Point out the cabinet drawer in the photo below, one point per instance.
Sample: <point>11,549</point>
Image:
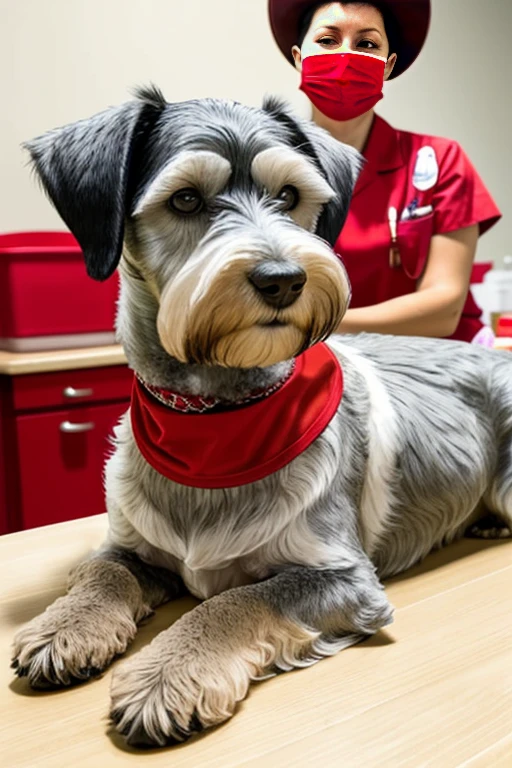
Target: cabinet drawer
<point>65,388</point>
<point>61,459</point>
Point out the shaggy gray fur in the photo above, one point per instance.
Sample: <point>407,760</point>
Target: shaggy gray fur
<point>422,438</point>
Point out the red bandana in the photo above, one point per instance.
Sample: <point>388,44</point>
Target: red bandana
<point>235,447</point>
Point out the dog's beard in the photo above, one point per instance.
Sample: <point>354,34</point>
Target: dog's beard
<point>220,320</point>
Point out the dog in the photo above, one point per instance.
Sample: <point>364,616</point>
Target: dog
<point>270,467</point>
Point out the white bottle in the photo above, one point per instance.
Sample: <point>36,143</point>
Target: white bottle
<point>501,282</point>
<point>494,295</point>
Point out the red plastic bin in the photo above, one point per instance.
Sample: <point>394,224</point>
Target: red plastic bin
<point>47,301</point>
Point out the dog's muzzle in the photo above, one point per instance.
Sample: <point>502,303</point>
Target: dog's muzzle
<point>238,306</point>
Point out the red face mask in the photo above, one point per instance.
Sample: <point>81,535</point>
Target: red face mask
<point>343,85</point>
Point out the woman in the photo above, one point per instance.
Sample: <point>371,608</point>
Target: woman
<point>419,206</point>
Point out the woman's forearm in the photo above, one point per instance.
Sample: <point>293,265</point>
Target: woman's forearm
<point>431,312</point>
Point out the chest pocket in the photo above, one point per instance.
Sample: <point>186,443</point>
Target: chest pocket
<point>414,238</point>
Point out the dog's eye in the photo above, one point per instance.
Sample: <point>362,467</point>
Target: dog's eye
<point>288,197</point>
<point>186,201</point>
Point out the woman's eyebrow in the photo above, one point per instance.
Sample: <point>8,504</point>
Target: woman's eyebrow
<point>334,28</point>
<point>369,29</point>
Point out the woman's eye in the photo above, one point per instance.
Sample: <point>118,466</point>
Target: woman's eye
<point>288,198</point>
<point>368,44</point>
<point>327,41</point>
<point>186,202</point>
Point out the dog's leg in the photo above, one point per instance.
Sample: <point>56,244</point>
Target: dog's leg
<point>192,675</point>
<point>79,634</point>
<point>497,523</point>
<point>490,526</point>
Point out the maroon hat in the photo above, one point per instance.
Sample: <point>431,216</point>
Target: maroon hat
<point>412,19</point>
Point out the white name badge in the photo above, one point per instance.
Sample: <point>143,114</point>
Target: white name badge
<point>426,170</point>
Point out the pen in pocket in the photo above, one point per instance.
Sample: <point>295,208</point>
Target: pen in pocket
<point>417,213</point>
<point>394,253</point>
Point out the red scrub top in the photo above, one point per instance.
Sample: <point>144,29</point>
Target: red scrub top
<point>458,198</point>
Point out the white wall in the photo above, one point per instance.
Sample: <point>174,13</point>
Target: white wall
<point>61,60</point>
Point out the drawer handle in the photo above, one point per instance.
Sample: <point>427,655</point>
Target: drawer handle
<point>72,429</point>
<point>73,393</point>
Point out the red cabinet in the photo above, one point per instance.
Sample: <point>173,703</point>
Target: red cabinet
<point>61,456</point>
<point>54,438</point>
<point>68,388</point>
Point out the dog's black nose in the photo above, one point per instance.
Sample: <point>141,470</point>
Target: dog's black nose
<point>279,285</point>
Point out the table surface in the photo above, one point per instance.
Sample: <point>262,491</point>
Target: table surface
<point>15,363</point>
<point>434,689</point>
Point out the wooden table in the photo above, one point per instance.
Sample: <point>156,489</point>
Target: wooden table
<point>434,689</point>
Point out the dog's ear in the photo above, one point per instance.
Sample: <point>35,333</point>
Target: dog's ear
<point>88,170</point>
<point>339,163</point>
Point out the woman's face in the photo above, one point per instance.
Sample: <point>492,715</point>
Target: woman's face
<point>342,27</point>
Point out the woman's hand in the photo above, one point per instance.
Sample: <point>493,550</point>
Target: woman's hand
<point>436,307</point>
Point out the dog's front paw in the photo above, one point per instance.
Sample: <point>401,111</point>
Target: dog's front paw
<point>72,641</point>
<point>176,687</point>
<point>193,675</point>
<point>490,526</point>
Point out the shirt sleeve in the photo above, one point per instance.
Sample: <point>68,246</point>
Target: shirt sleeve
<point>460,197</point>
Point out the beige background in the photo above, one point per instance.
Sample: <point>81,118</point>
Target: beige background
<point>61,60</point>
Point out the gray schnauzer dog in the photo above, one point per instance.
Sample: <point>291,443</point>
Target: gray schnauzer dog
<point>221,218</point>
